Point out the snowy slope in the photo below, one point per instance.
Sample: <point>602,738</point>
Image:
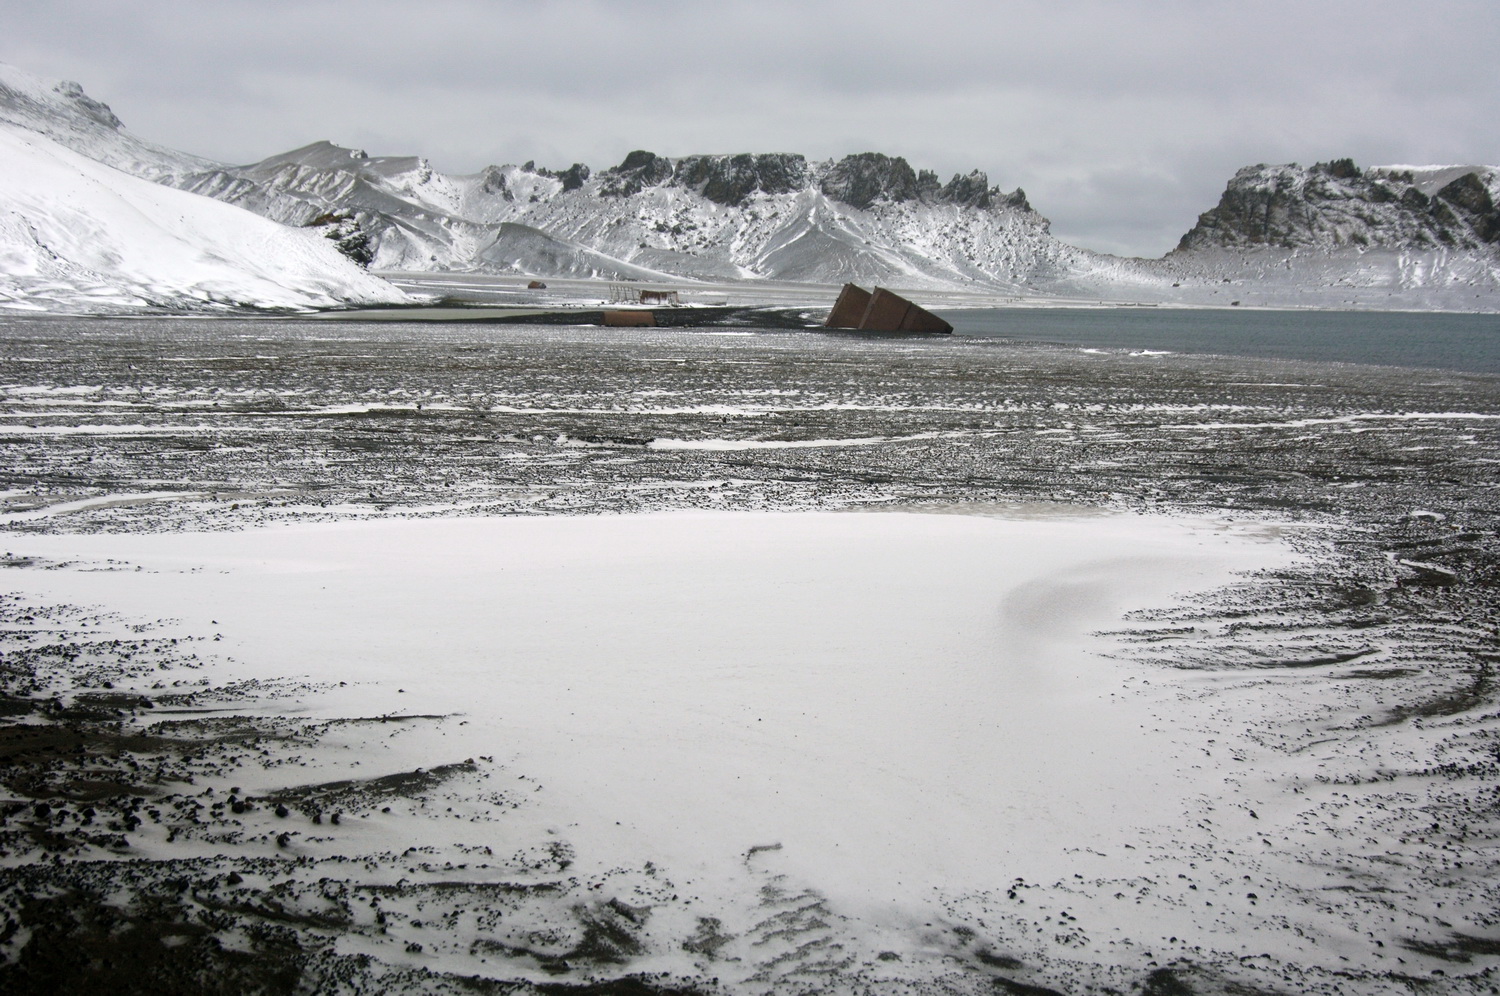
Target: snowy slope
<point>1389,237</point>
<point>60,110</point>
<point>683,217</point>
<point>1330,235</point>
<point>77,236</point>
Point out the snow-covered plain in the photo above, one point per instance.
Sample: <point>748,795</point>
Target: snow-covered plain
<point>903,714</point>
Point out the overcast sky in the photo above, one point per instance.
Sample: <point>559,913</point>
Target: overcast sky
<point>1122,120</point>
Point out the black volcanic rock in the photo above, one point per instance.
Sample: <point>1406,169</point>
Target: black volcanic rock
<point>866,177</point>
<point>493,182</point>
<point>640,169</point>
<point>1469,193</point>
<point>1336,204</point>
<point>1017,199</point>
<point>732,179</point>
<point>347,235</point>
<point>573,177</point>
<point>971,191</point>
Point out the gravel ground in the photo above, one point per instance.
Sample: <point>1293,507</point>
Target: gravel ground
<point>110,736</point>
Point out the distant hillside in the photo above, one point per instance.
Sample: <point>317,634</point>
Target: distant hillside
<point>1337,205</point>
<point>78,235</point>
<point>1331,235</point>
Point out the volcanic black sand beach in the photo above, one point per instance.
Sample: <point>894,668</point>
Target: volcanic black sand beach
<point>157,827</point>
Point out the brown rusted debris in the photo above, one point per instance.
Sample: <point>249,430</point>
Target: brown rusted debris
<point>881,311</point>
<point>628,319</point>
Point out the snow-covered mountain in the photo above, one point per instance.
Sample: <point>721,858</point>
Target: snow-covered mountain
<point>1329,236</point>
<point>869,218</point>
<point>1332,235</point>
<point>866,217</point>
<point>83,230</point>
<point>1337,205</point>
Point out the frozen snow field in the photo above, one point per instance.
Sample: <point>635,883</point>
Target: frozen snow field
<point>901,714</point>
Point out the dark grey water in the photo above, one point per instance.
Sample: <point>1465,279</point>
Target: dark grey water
<point>1469,343</point>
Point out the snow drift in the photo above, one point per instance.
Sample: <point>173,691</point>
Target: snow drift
<point>77,236</point>
<point>83,231</point>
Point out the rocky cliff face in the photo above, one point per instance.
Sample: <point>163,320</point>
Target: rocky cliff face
<point>865,217</point>
<point>730,180</point>
<point>859,180</point>
<point>1336,204</point>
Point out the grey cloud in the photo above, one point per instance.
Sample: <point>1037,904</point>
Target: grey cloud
<point>1106,112</point>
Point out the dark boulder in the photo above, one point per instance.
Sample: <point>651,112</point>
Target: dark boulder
<point>573,177</point>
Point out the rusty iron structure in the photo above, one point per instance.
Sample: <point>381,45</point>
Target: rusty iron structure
<point>630,319</point>
<point>881,311</point>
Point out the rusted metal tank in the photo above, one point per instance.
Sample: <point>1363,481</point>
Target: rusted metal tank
<point>881,311</point>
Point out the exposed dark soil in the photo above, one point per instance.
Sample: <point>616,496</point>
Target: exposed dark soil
<point>110,737</point>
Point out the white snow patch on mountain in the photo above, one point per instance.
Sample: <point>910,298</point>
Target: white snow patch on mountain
<point>60,110</point>
<point>77,236</point>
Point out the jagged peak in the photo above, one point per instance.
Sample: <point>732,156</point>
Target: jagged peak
<point>639,170</point>
<point>322,154</point>
<point>863,178</point>
<point>731,179</point>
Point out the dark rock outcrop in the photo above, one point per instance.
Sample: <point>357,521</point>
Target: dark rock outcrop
<point>347,235</point>
<point>862,179</point>
<point>493,181</point>
<point>928,185</point>
<point>640,169</point>
<point>971,191</point>
<point>573,177</point>
<point>732,179</point>
<point>1337,204</point>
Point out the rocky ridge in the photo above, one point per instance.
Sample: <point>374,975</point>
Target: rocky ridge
<point>1330,235</point>
<point>1337,205</point>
